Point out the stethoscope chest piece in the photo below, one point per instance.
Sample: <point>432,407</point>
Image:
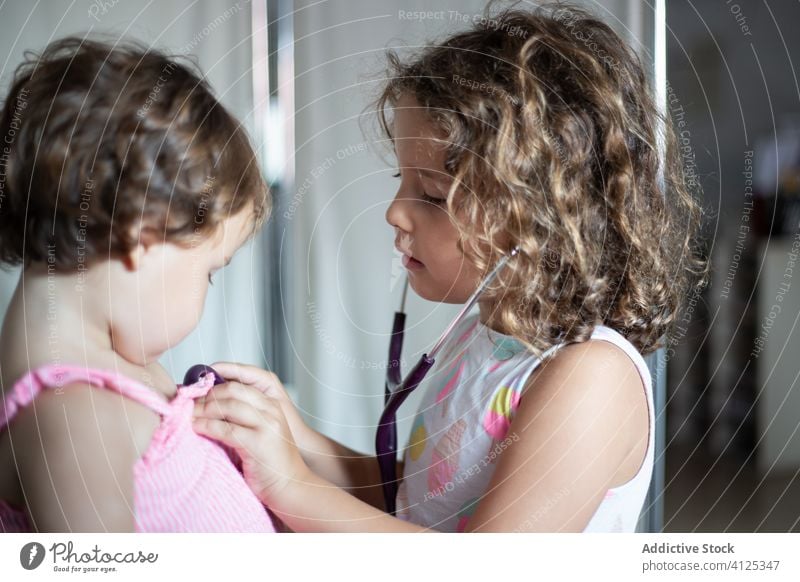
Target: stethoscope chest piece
<point>197,372</point>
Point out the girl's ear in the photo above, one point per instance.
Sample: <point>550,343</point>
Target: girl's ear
<point>146,239</point>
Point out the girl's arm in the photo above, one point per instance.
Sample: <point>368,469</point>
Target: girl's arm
<point>581,428</point>
<point>355,472</point>
<point>75,450</point>
<point>312,504</point>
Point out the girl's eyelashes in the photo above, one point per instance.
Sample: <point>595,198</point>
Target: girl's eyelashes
<point>432,200</point>
<point>426,197</point>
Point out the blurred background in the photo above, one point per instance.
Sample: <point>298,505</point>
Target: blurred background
<point>312,297</point>
<point>733,448</point>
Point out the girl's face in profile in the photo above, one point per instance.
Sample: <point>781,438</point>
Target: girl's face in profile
<point>424,232</point>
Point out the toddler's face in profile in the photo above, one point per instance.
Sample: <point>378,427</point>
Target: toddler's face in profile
<point>158,293</point>
<point>425,233</point>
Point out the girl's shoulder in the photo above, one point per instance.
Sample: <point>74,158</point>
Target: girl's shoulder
<point>607,353</point>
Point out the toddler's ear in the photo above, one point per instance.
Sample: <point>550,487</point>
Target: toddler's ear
<point>145,240</point>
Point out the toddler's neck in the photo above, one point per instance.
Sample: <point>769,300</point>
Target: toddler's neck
<point>62,318</point>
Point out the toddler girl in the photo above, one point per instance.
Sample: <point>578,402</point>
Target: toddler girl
<point>126,185</point>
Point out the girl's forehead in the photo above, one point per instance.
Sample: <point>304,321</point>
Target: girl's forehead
<point>425,153</point>
<point>417,141</point>
<point>412,120</point>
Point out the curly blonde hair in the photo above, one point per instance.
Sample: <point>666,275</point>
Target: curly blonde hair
<point>553,145</point>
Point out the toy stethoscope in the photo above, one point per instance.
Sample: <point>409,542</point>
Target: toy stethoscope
<point>396,389</point>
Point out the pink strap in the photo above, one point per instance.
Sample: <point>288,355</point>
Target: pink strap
<point>57,376</point>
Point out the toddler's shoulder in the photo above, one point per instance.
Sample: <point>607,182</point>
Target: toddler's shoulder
<point>75,451</point>
<point>79,415</point>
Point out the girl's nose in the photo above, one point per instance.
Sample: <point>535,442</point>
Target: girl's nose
<point>397,215</point>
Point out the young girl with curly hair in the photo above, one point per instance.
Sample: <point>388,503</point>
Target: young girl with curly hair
<point>537,131</point>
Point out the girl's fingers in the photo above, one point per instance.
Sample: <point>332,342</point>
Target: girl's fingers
<point>232,410</point>
<point>223,431</point>
<point>252,396</point>
<point>250,375</point>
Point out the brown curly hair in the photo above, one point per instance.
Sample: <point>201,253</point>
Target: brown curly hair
<point>552,143</point>
<point>102,140</point>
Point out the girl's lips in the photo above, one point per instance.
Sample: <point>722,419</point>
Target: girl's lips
<point>411,263</point>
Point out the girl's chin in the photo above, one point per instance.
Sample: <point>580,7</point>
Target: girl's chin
<point>431,292</point>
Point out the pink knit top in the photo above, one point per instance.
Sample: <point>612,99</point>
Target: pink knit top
<point>184,482</point>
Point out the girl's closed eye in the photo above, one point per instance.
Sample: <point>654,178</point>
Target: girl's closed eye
<point>433,200</point>
<point>427,197</point>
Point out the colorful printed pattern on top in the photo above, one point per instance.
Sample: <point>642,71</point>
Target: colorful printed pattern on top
<point>462,428</point>
<point>457,434</point>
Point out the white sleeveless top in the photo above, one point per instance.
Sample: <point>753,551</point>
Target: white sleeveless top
<point>461,428</point>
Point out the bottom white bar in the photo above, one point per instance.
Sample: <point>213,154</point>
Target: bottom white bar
<point>389,557</point>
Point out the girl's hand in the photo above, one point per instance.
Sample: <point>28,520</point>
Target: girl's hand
<point>255,426</point>
<point>270,385</point>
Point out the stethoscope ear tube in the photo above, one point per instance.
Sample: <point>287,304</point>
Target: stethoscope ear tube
<point>472,301</point>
